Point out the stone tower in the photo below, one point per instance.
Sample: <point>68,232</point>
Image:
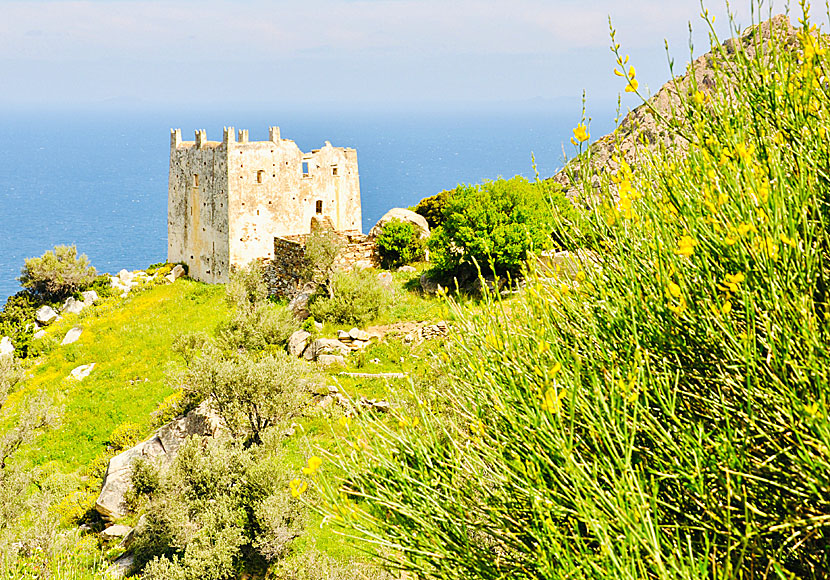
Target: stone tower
<point>228,200</point>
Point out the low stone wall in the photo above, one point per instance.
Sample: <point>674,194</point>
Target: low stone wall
<point>283,274</point>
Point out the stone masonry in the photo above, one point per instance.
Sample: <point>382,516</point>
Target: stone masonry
<point>229,201</point>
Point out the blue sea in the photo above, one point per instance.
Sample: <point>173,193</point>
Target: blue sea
<point>98,179</point>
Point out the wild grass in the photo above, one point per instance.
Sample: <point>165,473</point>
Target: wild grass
<point>663,415</point>
<point>129,341</point>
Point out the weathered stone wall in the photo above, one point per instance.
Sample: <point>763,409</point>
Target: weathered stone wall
<point>228,201</point>
<point>283,272</point>
<point>197,207</point>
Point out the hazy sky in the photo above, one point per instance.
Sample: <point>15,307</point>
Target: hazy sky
<point>346,52</point>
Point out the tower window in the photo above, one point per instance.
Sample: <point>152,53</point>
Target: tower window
<point>195,180</point>
<point>260,175</point>
<point>305,169</point>
<point>334,170</point>
<point>319,207</point>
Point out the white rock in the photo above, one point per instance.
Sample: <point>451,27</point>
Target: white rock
<point>404,215</point>
<point>298,342</point>
<point>385,279</point>
<point>72,306</point>
<point>116,531</point>
<point>177,272</point>
<point>39,334</point>
<point>343,335</point>
<point>46,315</point>
<point>90,297</point>
<point>358,334</point>
<point>325,401</point>
<point>72,336</point>
<point>82,372</point>
<point>125,276</point>
<point>6,347</point>
<point>407,269</point>
<point>362,265</point>
<point>323,346</point>
<point>318,326</point>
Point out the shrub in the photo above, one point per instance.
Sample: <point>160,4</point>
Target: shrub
<point>433,208</point>
<point>206,523</point>
<point>251,393</point>
<point>247,289</point>
<point>497,224</point>
<point>398,244</point>
<point>57,274</point>
<point>358,297</point>
<point>266,325</point>
<point>125,436</point>
<point>16,321</point>
<point>321,250</point>
<point>664,416</point>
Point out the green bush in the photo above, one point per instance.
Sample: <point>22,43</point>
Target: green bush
<point>125,436</point>
<point>433,208</point>
<point>358,298</point>
<point>498,223</point>
<point>399,243</point>
<point>321,250</point>
<point>205,523</point>
<point>264,326</point>
<point>250,392</point>
<point>664,415</point>
<point>58,273</point>
<point>16,321</point>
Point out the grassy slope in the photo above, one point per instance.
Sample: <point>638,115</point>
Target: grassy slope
<point>129,341</point>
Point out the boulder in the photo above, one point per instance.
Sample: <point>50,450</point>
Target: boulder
<point>90,297</point>
<point>126,277</point>
<point>299,305</point>
<point>163,447</point>
<point>298,342</point>
<point>404,215</point>
<point>72,306</point>
<point>176,273</point>
<point>81,372</point>
<point>328,360</point>
<point>407,269</point>
<point>385,279</point>
<point>72,336</point>
<point>323,346</point>
<point>6,347</point>
<point>343,335</point>
<point>116,531</point>
<point>121,566</point>
<point>358,334</point>
<point>39,334</point>
<point>46,315</point>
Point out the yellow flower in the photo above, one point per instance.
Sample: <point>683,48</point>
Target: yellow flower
<point>679,307</point>
<point>297,487</point>
<point>698,98</point>
<point>581,133</point>
<point>632,86</point>
<point>744,228</point>
<point>673,290</point>
<point>731,282</point>
<point>564,288</point>
<point>787,240</point>
<point>685,246</point>
<point>314,464</point>
<point>743,151</point>
<point>769,247</point>
<point>552,401</point>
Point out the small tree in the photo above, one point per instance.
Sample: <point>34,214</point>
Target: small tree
<point>358,297</point>
<point>321,250</point>
<point>399,243</point>
<point>250,393</point>
<point>57,274</point>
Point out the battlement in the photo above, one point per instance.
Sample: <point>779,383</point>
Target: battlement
<point>231,136</point>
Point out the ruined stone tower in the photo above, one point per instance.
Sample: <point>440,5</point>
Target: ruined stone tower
<point>228,200</point>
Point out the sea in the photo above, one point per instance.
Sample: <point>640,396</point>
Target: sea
<point>97,178</point>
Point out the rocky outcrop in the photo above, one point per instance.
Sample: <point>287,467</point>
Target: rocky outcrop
<point>643,129</point>
<point>81,372</point>
<point>404,215</point>
<point>162,446</point>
